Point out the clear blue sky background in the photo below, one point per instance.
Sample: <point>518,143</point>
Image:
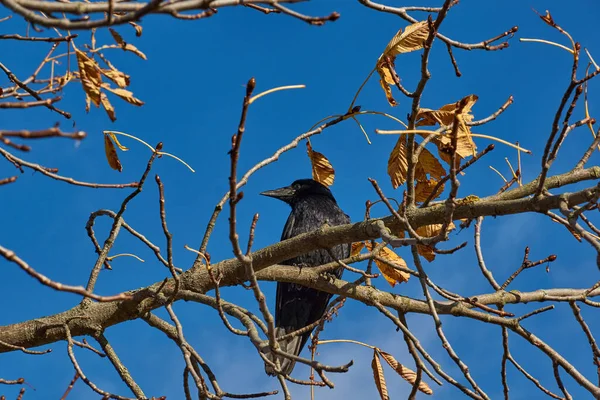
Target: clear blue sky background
<point>193,85</point>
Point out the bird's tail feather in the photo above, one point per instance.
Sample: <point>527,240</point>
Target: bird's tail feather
<point>291,346</point>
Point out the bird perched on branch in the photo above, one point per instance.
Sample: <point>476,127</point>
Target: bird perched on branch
<point>297,306</point>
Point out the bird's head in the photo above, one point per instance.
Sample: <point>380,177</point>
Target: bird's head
<point>300,189</point>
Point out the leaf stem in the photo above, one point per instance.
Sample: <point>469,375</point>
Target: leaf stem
<point>547,42</point>
<point>479,135</point>
<point>160,153</point>
<point>266,92</point>
<point>346,341</point>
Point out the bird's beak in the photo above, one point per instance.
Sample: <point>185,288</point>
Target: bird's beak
<point>284,193</point>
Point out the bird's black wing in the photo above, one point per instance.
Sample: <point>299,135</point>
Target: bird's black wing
<point>298,306</point>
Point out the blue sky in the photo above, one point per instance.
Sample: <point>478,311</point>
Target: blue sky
<point>193,85</point>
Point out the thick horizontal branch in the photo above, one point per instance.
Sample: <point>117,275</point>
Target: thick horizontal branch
<point>80,7</point>
<point>103,315</point>
<point>30,10</point>
<point>556,181</point>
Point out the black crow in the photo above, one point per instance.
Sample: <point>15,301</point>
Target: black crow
<point>297,306</point>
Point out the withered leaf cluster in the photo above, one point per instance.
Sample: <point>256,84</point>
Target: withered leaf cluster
<point>406,373</point>
<point>411,39</point>
<point>91,73</point>
<point>428,169</point>
<point>445,117</point>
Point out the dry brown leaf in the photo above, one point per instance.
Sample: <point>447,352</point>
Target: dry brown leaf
<point>111,154</point>
<point>428,231</point>
<point>126,46</point>
<point>134,50</point>
<point>391,274</point>
<point>424,189</point>
<point>445,153</point>
<point>397,167</point>
<point>117,36</point>
<point>385,71</point>
<point>433,229</point>
<point>116,140</point>
<point>125,95</point>
<point>120,78</point>
<point>411,39</point>
<point>429,117</point>
<point>138,28</point>
<point>426,252</point>
<point>356,248</point>
<point>465,145</point>
<point>428,164</point>
<point>449,108</point>
<point>110,110</point>
<point>387,90</point>
<point>89,74</point>
<point>409,375</point>
<point>322,171</point>
<point>403,42</point>
<point>379,377</point>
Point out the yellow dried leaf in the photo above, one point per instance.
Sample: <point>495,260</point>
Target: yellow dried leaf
<point>443,116</point>
<point>424,189</point>
<point>138,28</point>
<point>387,90</point>
<point>409,375</point>
<point>110,110</point>
<point>111,154</point>
<point>397,167</point>
<point>471,100</point>
<point>428,117</point>
<point>120,78</point>
<point>433,229</point>
<point>116,140</point>
<point>125,95</point>
<point>465,145</point>
<point>428,164</point>
<point>445,153</point>
<point>356,248</point>
<point>126,46</point>
<point>379,377</point>
<point>134,50</point>
<point>390,274</point>
<point>322,171</point>
<point>411,39</point>
<point>403,42</point>
<point>118,38</point>
<point>426,252</point>
<point>385,71</point>
<point>428,231</point>
<point>89,74</point>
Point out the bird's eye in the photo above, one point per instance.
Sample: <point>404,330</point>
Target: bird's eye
<point>296,186</point>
